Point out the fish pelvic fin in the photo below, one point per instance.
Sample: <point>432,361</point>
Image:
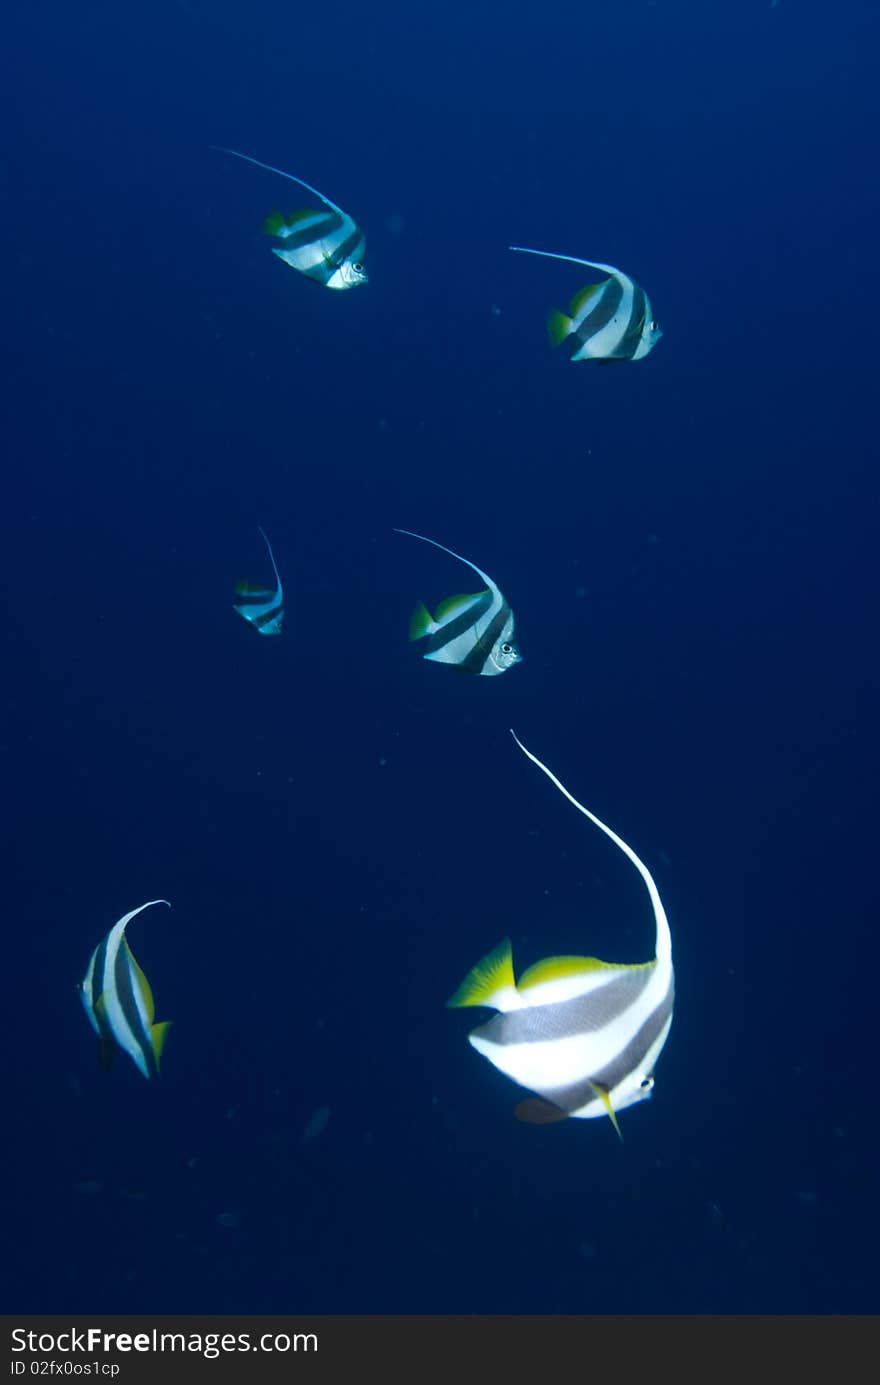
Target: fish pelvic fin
<point>603,1094</point>
<point>491,982</point>
<point>559,326</point>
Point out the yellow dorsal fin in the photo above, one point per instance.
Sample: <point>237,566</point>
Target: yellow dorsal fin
<point>556,968</point>
<point>583,295</point>
<point>603,1095</point>
<point>158,1034</point>
<point>552,968</point>
<point>487,979</point>
<point>451,604</point>
<point>245,588</point>
<point>294,218</point>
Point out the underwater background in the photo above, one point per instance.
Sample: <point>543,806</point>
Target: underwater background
<point>343,829</point>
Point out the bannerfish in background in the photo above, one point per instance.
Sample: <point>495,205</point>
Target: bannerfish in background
<point>583,1034</point>
<point>119,1002</point>
<point>473,633</point>
<point>610,321</point>
<point>324,245</point>
<point>264,609</point>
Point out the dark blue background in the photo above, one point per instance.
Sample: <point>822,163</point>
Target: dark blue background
<point>688,543</point>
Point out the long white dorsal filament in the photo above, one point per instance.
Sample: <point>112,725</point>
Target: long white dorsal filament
<point>663,946</point>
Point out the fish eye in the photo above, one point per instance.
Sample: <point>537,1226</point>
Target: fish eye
<point>507,649</point>
<point>654,324</point>
<point>646,1084</point>
<point>358,268</point>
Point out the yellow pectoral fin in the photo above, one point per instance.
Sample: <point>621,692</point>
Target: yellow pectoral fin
<point>485,981</point>
<point>604,1097</point>
<point>158,1034</point>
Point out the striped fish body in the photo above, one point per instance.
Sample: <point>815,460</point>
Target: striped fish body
<point>261,608</point>
<point>609,321</point>
<point>473,633</point>
<point>118,1000</point>
<point>582,1034</point>
<point>325,245</point>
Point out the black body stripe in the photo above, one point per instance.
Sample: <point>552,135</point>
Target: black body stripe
<point>562,1019</point>
<point>274,613</point>
<point>629,1060</point>
<point>476,661</point>
<point>460,624</point>
<point>629,343</point>
<point>601,314</point>
<point>309,235</point>
<point>126,997</point>
<point>348,247</point>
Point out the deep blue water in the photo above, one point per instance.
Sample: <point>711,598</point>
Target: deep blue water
<point>342,828</point>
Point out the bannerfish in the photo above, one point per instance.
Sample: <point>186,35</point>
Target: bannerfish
<point>264,609</point>
<point>610,321</point>
<point>119,1002</point>
<point>325,245</point>
<point>473,633</point>
<point>584,1035</point>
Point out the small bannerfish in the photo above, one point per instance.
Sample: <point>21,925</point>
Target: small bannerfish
<point>325,245</point>
<point>119,1002</point>
<point>610,321</point>
<point>584,1034</point>
<point>264,609</point>
<point>473,633</point>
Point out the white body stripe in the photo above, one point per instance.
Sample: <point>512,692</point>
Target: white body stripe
<point>543,1064</point>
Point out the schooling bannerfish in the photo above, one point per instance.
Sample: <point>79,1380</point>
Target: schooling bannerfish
<point>473,633</point>
<point>119,1002</point>
<point>610,321</point>
<point>325,245</point>
<point>583,1034</point>
<point>264,609</point>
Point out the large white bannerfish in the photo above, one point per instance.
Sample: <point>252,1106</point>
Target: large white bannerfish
<point>582,1034</point>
